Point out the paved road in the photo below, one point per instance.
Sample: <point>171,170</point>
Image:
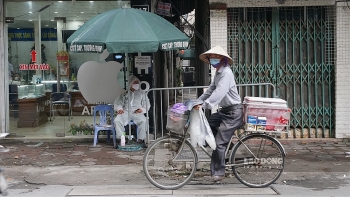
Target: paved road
<point>72,168</point>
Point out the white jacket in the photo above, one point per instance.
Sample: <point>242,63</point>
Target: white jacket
<point>138,99</point>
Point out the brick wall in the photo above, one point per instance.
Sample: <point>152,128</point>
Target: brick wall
<point>218,28</point>
<point>218,32</point>
<point>342,72</point>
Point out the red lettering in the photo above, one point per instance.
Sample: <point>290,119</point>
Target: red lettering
<point>33,67</point>
<point>23,67</point>
<point>44,67</point>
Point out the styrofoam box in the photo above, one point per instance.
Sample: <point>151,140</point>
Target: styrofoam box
<point>265,101</point>
<point>271,108</point>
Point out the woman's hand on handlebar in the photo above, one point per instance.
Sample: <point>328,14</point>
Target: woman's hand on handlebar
<point>197,107</point>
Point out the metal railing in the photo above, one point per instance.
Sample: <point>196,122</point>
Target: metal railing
<point>162,98</point>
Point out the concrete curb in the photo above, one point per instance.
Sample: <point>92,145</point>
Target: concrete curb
<point>89,138</point>
<point>50,139</point>
<point>208,190</point>
<point>311,140</point>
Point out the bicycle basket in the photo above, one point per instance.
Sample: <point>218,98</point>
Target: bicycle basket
<point>176,122</point>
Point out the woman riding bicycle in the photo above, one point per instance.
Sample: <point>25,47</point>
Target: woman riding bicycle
<point>223,92</point>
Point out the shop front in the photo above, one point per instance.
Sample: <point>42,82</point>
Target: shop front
<point>39,65</point>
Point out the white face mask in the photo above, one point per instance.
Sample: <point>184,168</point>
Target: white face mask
<point>135,86</point>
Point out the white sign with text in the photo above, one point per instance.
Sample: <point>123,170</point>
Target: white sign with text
<point>142,62</point>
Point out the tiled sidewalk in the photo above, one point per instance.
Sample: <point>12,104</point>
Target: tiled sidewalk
<point>83,153</point>
<point>67,154</point>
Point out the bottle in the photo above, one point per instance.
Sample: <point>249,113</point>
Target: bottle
<point>122,139</point>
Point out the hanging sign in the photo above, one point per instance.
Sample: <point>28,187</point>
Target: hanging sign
<point>164,8</point>
<point>142,62</point>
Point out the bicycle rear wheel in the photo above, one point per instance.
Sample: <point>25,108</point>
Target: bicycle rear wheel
<point>258,160</point>
<point>164,167</point>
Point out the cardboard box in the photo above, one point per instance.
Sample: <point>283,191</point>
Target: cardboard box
<point>261,125</point>
<point>251,123</point>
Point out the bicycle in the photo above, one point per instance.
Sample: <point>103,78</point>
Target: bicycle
<point>256,159</point>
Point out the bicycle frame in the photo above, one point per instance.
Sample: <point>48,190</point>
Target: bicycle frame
<point>240,138</point>
<point>228,149</point>
<point>184,136</point>
<point>182,144</point>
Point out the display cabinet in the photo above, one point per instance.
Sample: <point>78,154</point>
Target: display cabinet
<point>70,85</point>
<point>30,91</point>
<point>31,104</point>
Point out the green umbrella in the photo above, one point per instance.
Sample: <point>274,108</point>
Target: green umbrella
<point>127,30</point>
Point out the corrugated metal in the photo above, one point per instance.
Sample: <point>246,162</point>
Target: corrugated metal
<point>292,48</point>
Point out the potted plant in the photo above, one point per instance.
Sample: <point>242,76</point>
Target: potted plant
<point>83,128</point>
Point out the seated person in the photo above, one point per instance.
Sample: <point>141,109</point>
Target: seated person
<point>73,87</point>
<point>16,77</point>
<point>63,87</point>
<point>132,103</point>
<point>58,96</point>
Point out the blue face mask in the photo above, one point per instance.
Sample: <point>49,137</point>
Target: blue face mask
<point>215,62</point>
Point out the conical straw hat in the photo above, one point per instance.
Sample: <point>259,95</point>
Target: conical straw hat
<point>216,50</point>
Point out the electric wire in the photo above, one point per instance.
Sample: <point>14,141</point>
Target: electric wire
<point>192,27</point>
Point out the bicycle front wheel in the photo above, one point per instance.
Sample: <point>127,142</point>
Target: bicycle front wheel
<point>258,160</point>
<point>167,165</point>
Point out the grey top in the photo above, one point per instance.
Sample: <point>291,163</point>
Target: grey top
<point>222,91</point>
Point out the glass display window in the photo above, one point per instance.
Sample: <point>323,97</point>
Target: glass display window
<point>37,60</point>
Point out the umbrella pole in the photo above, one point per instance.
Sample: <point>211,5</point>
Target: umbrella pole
<point>124,69</point>
<point>126,63</point>
<point>172,68</point>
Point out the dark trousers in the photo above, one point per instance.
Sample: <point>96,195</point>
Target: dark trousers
<point>223,126</point>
